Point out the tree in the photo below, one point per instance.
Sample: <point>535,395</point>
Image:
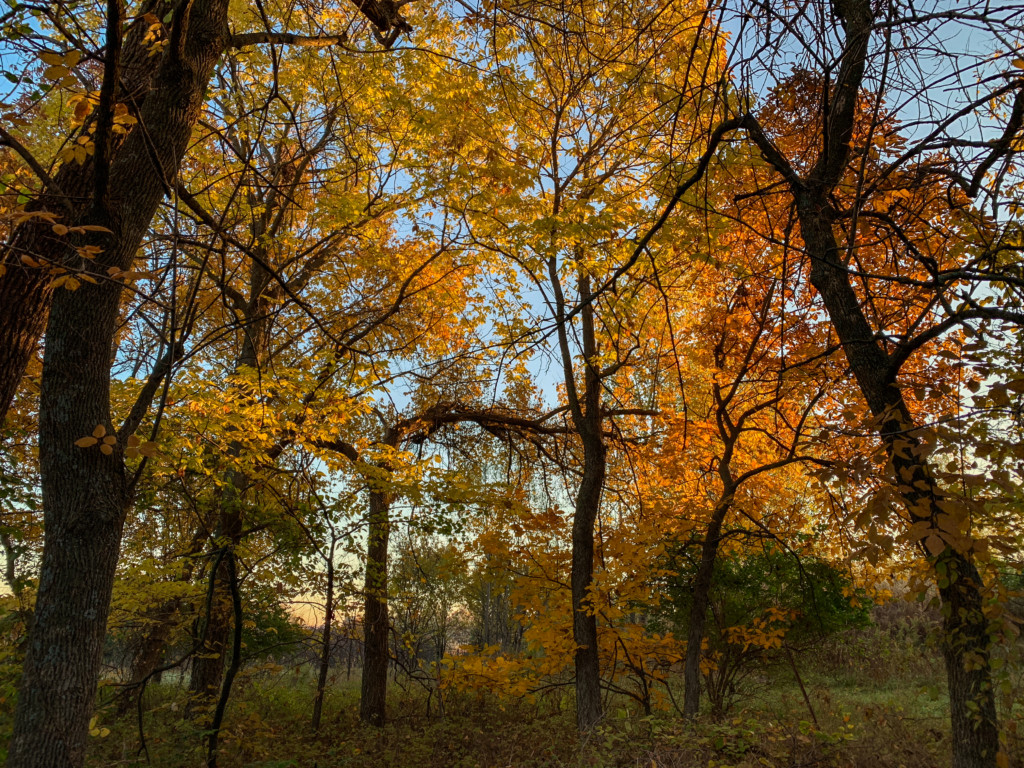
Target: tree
<point>835,155</point>
<point>591,94</point>
<point>105,201</point>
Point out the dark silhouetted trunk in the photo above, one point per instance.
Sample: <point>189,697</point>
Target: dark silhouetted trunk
<point>966,636</point>
<point>373,693</point>
<point>966,642</point>
<point>588,422</point>
<point>325,651</point>
<point>699,608</point>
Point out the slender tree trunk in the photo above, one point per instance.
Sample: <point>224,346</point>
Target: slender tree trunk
<point>217,721</point>
<point>699,608</point>
<point>148,655</point>
<point>208,667</point>
<point>325,654</point>
<point>584,624</point>
<point>208,664</point>
<point>588,421</point>
<point>373,694</point>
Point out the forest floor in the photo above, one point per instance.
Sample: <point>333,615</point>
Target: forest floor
<point>874,708</point>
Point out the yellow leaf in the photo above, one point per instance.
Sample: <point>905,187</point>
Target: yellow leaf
<point>100,431</point>
<point>55,72</point>
<point>934,544</point>
<point>106,450</point>
<point>86,442</point>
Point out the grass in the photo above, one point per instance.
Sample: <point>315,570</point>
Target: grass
<point>898,720</point>
<point>877,695</point>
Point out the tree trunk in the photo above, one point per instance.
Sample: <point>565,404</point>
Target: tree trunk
<point>208,664</point>
<point>168,92</point>
<point>148,655</point>
<point>208,667</point>
<point>584,623</point>
<point>373,694</point>
<point>24,306</point>
<point>699,608</point>
<point>325,654</point>
<point>966,638</point>
<point>85,492</point>
<point>588,422</point>
<point>150,652</point>
<point>85,497</point>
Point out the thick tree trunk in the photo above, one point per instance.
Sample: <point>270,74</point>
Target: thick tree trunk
<point>373,693</point>
<point>25,293</point>
<point>85,493</point>
<point>85,497</point>
<point>699,608</point>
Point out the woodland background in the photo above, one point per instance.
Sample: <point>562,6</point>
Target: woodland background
<point>511,383</point>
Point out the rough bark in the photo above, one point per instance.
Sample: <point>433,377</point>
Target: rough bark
<point>198,35</point>
<point>25,293</point>
<point>966,644</point>
<point>85,492</point>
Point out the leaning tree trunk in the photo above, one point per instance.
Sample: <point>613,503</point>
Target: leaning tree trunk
<point>966,638</point>
<point>135,77</point>
<point>373,692</point>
